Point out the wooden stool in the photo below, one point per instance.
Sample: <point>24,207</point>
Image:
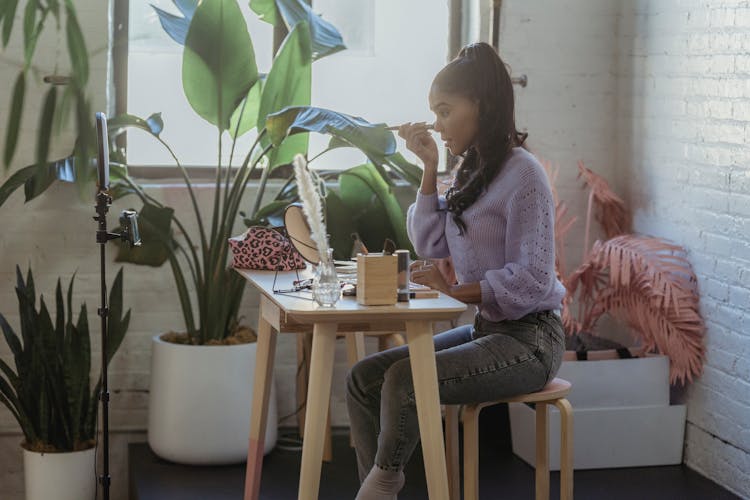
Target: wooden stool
<point>553,393</point>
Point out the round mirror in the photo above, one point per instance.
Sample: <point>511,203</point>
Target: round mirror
<point>299,233</point>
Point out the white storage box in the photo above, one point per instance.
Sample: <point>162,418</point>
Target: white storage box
<point>605,437</point>
<point>617,382</point>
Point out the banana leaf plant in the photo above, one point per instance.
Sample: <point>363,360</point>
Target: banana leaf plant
<point>646,282</point>
<point>49,391</point>
<point>223,85</point>
<point>364,204</point>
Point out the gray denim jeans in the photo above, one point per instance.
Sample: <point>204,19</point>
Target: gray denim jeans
<point>475,364</point>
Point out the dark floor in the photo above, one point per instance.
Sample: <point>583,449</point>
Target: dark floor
<point>502,475</point>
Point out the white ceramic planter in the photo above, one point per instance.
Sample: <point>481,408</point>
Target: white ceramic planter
<point>617,382</point>
<point>62,476</point>
<point>621,416</point>
<point>637,436</point>
<point>199,403</point>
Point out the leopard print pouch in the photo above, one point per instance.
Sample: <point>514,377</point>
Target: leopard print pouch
<point>264,248</point>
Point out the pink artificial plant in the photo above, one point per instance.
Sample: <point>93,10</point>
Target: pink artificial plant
<point>644,281</point>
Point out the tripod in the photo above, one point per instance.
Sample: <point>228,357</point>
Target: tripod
<point>129,224</point>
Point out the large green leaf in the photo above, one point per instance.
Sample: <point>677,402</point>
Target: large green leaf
<point>13,342</point>
<point>247,112</point>
<point>218,65</point>
<point>288,83</point>
<point>79,56</point>
<point>375,209</point>
<point>340,225</point>
<point>372,139</point>
<point>76,375</point>
<point>30,31</point>
<point>326,39</point>
<point>118,323</point>
<point>14,118</point>
<point>8,16</point>
<point>155,226</point>
<point>266,10</point>
<point>45,175</point>
<point>118,124</point>
<point>45,126</point>
<point>407,170</point>
<point>175,26</point>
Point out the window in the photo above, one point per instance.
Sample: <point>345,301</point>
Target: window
<point>394,50</point>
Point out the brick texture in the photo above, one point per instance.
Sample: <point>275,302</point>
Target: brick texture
<point>682,129</point>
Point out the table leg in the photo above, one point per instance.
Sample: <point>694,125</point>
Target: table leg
<point>451,450</point>
<point>318,400</point>
<point>355,351</point>
<point>424,374</point>
<point>264,359</point>
<point>304,346</point>
<point>355,348</point>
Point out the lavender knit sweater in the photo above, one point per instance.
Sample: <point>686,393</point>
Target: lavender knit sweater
<point>508,245</point>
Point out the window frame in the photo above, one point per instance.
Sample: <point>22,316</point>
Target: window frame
<point>118,88</point>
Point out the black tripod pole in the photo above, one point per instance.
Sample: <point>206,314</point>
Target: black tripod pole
<point>102,206</point>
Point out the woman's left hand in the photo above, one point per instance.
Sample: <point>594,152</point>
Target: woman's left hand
<point>428,274</point>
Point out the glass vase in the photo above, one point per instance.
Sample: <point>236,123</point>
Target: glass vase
<point>325,287</point>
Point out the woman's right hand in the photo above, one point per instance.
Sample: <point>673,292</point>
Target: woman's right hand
<point>420,142</point>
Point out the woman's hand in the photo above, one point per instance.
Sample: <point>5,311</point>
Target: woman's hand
<point>428,274</point>
<point>420,142</point>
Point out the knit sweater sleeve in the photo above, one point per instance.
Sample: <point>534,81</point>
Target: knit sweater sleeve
<point>425,224</point>
<point>529,271</point>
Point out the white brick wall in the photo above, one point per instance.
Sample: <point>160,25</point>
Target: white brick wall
<point>682,127</point>
<point>568,50</point>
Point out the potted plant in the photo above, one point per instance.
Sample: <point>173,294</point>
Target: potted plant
<point>623,415</point>
<point>49,391</point>
<point>223,85</point>
<point>216,396</point>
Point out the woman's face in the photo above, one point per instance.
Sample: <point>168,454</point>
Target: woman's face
<point>456,119</point>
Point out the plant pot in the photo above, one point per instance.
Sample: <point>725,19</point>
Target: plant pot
<point>62,476</point>
<point>621,414</point>
<point>605,381</point>
<point>199,403</point>
<point>626,436</point>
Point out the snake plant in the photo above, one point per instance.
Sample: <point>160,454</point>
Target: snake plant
<point>49,392</point>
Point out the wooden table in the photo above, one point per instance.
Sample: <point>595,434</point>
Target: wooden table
<point>296,314</point>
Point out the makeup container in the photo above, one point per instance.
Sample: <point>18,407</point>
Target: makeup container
<point>402,265</point>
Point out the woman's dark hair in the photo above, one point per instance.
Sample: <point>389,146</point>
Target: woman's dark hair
<point>479,74</point>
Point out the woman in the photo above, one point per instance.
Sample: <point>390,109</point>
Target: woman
<point>497,224</point>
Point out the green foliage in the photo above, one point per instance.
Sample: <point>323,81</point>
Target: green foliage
<point>222,84</point>
<point>49,392</point>
<point>35,17</point>
<point>278,108</point>
<point>218,65</point>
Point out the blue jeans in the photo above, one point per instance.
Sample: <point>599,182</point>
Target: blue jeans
<point>475,364</point>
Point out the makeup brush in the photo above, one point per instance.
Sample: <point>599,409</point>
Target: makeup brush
<point>430,126</point>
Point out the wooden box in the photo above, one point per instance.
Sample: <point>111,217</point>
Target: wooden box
<point>377,279</point>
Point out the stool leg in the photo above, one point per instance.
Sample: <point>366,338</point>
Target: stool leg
<point>471,452</point>
<point>542,453</point>
<point>566,449</point>
<point>451,451</point>
<point>397,339</point>
<point>382,342</point>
